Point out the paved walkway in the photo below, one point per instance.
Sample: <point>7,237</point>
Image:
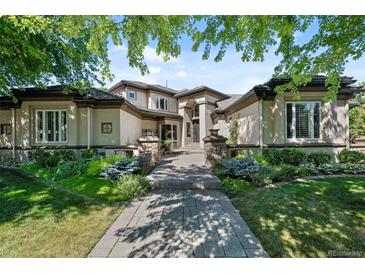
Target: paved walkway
<point>183,171</point>
<point>179,223</point>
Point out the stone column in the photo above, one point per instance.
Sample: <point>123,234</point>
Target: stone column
<point>150,145</point>
<point>202,123</point>
<point>215,148</point>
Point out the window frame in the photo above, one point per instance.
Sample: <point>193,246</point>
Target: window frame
<point>106,123</point>
<point>132,92</point>
<point>158,104</point>
<point>294,138</point>
<point>44,141</point>
<point>4,129</point>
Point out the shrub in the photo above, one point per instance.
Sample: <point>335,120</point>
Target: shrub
<point>289,172</point>
<point>132,186</point>
<point>166,144</point>
<point>121,168</point>
<point>351,168</point>
<point>240,168</point>
<point>329,169</point>
<point>293,156</point>
<point>69,169</point>
<point>272,156</point>
<point>351,156</point>
<point>310,169</point>
<point>64,155</point>
<point>264,176</point>
<point>9,163</point>
<point>50,161</point>
<point>258,157</point>
<point>235,187</point>
<point>38,154</point>
<point>319,157</point>
<point>88,153</point>
<point>95,167</point>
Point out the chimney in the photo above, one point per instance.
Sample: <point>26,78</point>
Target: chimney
<point>167,83</point>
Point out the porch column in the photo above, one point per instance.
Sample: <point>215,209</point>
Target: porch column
<point>182,112</point>
<point>13,129</point>
<point>202,123</point>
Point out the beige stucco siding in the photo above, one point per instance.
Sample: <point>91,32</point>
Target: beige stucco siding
<point>130,128</point>
<point>333,119</point>
<point>171,101</point>
<point>106,116</point>
<point>248,118</point>
<point>5,118</point>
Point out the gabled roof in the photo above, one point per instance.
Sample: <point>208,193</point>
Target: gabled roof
<point>201,89</point>
<point>227,102</point>
<point>144,86</point>
<point>266,90</point>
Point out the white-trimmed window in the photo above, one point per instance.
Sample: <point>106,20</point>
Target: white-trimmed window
<point>303,120</point>
<point>51,126</point>
<point>131,95</point>
<point>161,103</point>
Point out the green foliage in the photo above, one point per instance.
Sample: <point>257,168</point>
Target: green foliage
<point>319,157</point>
<point>289,172</point>
<point>264,176</point>
<point>240,168</point>
<point>233,186</point>
<point>47,159</point>
<point>166,144</point>
<point>357,119</point>
<point>293,156</point>
<point>351,156</point>
<point>88,153</point>
<point>69,169</point>
<point>272,156</point>
<point>96,166</point>
<point>258,157</point>
<point>233,131</point>
<point>131,186</point>
<point>73,50</point>
<point>347,168</point>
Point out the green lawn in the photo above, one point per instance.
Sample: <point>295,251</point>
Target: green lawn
<point>308,219</point>
<point>92,186</point>
<point>40,220</point>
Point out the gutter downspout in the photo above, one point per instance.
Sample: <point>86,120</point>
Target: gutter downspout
<point>13,131</point>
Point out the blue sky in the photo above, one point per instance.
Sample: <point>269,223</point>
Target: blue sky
<point>230,76</point>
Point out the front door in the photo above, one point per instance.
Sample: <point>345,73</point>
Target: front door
<point>196,131</point>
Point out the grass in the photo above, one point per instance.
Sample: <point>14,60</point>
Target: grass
<point>41,220</point>
<point>308,219</point>
<point>231,186</point>
<point>93,186</point>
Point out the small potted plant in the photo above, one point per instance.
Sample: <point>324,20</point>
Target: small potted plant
<point>166,145</point>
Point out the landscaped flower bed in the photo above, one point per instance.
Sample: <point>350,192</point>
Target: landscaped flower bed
<point>275,165</point>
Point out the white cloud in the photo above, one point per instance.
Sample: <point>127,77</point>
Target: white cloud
<point>203,67</point>
<point>118,49</point>
<point>151,56</point>
<point>154,70</point>
<point>181,73</point>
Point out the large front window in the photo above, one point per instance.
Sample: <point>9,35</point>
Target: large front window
<point>169,132</point>
<point>303,120</point>
<point>51,126</point>
<point>161,103</point>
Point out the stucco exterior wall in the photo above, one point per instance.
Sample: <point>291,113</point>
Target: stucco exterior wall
<point>5,118</point>
<point>130,128</point>
<point>171,101</point>
<point>333,119</point>
<point>142,97</point>
<point>248,118</point>
<point>106,116</point>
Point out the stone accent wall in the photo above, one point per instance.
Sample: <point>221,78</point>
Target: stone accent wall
<point>215,148</point>
<point>150,145</point>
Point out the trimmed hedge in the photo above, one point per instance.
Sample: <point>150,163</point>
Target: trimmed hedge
<point>351,156</point>
<point>290,156</point>
<point>319,157</point>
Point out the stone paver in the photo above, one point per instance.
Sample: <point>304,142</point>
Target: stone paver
<point>179,223</point>
<point>183,171</point>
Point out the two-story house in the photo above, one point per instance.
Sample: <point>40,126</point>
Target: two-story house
<point>113,120</point>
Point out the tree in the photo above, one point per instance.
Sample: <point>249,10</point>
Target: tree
<point>73,50</point>
<point>233,131</point>
<point>357,116</point>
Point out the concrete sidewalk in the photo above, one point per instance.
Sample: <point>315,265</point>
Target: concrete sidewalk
<point>179,223</point>
<point>183,171</point>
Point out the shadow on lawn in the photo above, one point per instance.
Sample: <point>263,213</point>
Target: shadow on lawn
<point>23,196</point>
<point>309,219</point>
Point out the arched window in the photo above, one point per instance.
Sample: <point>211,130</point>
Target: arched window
<point>196,111</point>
